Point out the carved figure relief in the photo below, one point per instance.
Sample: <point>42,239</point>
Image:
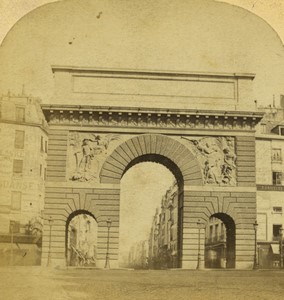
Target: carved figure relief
<point>86,153</point>
<point>217,158</point>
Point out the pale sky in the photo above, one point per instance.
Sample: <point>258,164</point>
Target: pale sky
<point>237,42</point>
<point>270,10</point>
<point>142,188</point>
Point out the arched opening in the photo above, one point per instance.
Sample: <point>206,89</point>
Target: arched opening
<point>81,239</point>
<point>220,242</point>
<point>151,213</point>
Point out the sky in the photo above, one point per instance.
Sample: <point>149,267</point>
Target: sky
<point>142,188</point>
<point>227,40</point>
<point>270,10</point>
<point>144,184</point>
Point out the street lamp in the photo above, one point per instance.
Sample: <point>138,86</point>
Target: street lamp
<point>12,242</point>
<point>107,266</point>
<point>199,224</point>
<point>280,246</point>
<point>255,265</point>
<point>50,221</point>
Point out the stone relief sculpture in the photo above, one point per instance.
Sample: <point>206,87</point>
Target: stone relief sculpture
<point>86,152</point>
<point>217,157</point>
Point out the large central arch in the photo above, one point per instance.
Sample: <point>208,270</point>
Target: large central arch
<point>168,151</point>
<point>159,149</point>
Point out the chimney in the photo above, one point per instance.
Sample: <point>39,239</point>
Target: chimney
<point>282,101</point>
<point>273,101</point>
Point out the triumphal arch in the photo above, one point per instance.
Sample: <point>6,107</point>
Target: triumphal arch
<point>200,126</point>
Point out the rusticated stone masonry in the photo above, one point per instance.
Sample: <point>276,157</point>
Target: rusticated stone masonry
<point>198,201</point>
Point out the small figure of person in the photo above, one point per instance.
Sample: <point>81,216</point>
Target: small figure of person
<point>229,165</point>
<point>87,154</point>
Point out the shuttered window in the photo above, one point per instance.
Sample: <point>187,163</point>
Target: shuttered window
<point>276,178</point>
<point>19,139</point>
<point>14,227</point>
<point>20,114</point>
<point>16,200</point>
<point>17,166</point>
<point>276,155</point>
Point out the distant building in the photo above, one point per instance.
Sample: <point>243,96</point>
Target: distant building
<point>82,242</point>
<point>215,244</point>
<point>270,183</point>
<point>23,153</point>
<point>153,238</point>
<point>138,255</point>
<point>163,239</point>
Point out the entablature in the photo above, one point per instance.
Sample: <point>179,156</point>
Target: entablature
<point>149,118</point>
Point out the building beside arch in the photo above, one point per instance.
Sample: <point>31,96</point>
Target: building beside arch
<point>23,152</point>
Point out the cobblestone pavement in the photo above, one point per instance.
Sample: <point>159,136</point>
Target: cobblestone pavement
<point>29,283</point>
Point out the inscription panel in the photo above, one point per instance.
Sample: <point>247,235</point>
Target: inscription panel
<point>157,87</point>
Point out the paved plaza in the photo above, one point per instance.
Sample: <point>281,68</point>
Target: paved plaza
<point>29,283</point>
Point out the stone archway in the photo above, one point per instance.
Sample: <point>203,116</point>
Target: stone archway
<point>199,200</point>
<point>220,241</point>
<point>163,150</point>
<point>80,254</point>
<point>144,147</point>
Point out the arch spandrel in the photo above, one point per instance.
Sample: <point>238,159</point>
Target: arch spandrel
<point>149,145</point>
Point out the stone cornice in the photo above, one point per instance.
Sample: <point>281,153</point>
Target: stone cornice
<point>151,73</point>
<point>43,127</point>
<point>151,118</point>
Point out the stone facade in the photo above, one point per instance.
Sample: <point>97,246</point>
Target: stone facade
<point>270,203</point>
<point>23,152</point>
<point>210,153</point>
<point>199,201</point>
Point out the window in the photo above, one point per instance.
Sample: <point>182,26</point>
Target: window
<point>14,227</point>
<point>44,174</point>
<point>277,178</point>
<point>276,155</point>
<point>20,114</point>
<point>17,166</point>
<point>277,209</point>
<point>19,139</point>
<point>217,231</point>
<point>16,200</point>
<point>211,232</point>
<point>45,147</point>
<point>40,170</point>
<point>41,144</point>
<point>276,231</point>
<point>222,230</point>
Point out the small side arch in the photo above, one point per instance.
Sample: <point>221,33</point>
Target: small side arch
<point>69,219</point>
<point>221,239</point>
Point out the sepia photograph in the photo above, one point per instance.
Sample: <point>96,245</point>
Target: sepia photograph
<point>141,149</point>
